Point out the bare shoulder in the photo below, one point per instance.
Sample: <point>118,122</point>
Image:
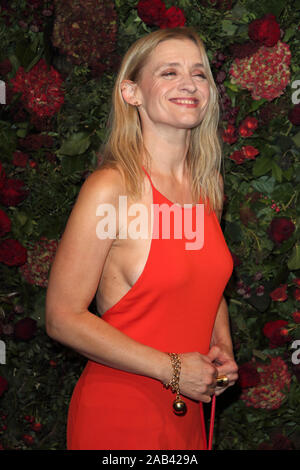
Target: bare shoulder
<point>103,185</point>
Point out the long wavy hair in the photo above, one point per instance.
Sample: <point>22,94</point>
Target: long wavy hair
<point>124,146</point>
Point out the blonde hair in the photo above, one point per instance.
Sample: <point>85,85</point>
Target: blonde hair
<point>124,147</point>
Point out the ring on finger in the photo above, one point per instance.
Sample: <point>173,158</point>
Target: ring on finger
<point>222,381</point>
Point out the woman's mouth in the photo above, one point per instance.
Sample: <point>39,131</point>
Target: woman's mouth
<point>189,102</point>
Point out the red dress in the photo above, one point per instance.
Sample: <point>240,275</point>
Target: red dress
<point>171,307</point>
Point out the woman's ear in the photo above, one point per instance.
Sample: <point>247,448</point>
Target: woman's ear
<point>129,92</point>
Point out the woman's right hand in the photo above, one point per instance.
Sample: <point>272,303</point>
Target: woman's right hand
<point>198,375</point>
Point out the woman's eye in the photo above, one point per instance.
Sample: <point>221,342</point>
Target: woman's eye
<point>168,74</point>
<point>201,75</point>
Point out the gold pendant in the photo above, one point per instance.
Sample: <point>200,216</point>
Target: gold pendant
<point>179,407</point>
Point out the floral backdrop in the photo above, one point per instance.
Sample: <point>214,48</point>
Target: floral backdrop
<point>58,62</point>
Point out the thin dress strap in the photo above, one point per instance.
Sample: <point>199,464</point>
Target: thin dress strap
<point>148,177</point>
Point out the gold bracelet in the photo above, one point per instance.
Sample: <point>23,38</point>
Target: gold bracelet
<point>179,405</point>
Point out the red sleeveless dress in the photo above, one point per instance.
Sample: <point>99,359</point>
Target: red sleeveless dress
<point>171,307</point>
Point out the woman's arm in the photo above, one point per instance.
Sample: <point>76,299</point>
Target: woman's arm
<point>221,338</point>
<point>74,279</point>
<point>221,335</point>
<point>73,282</point>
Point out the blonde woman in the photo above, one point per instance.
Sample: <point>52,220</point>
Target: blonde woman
<point>144,238</point>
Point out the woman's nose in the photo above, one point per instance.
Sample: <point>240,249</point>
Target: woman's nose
<point>188,84</point>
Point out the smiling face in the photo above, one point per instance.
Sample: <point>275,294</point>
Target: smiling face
<point>172,88</point>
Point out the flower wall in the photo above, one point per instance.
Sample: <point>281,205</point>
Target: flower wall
<point>58,61</point>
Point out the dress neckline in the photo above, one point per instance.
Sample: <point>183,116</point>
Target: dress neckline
<point>184,206</point>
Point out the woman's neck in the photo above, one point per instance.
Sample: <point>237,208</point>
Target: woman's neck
<point>168,152</point>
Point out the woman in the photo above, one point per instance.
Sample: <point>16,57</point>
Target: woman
<point>154,295</point>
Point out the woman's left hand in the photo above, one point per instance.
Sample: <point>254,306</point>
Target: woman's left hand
<point>226,366</point>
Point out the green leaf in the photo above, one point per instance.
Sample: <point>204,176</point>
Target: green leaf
<point>283,192</point>
<point>276,172</point>
<point>296,139</point>
<point>283,143</point>
<point>256,104</point>
<point>289,33</point>
<point>76,144</point>
<point>262,165</point>
<point>260,303</point>
<point>21,217</point>
<point>231,86</point>
<point>229,28</point>
<point>14,62</point>
<point>288,174</point>
<point>260,354</point>
<point>264,184</point>
<point>233,230</point>
<point>72,165</point>
<point>21,133</point>
<point>294,260</point>
<point>267,6</point>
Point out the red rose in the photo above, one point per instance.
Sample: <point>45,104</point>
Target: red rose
<point>281,229</point>
<point>3,385</point>
<point>36,141</point>
<point>296,317</point>
<point>250,152</point>
<point>5,223</point>
<point>250,122</point>
<point>229,134</point>
<point>279,294</point>
<point>12,253</point>
<point>28,439</point>
<point>29,418</point>
<point>273,331</point>
<point>238,157</point>
<point>36,427</point>
<point>25,329</point>
<point>265,30</point>
<point>297,294</point>
<point>12,192</point>
<point>2,175</point>
<point>297,281</point>
<point>247,126</point>
<point>20,159</point>
<point>151,11</point>
<point>248,375</point>
<point>173,18</point>
<point>294,115</point>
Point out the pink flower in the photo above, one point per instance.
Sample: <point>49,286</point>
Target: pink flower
<point>265,73</point>
<point>40,88</point>
<point>269,393</point>
<point>39,260</point>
